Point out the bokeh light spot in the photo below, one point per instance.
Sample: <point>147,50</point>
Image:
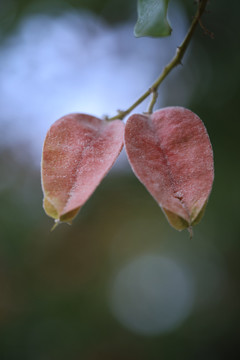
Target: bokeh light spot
<point>152,295</point>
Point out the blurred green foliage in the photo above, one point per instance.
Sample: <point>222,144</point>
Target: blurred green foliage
<point>112,11</point>
<point>54,286</point>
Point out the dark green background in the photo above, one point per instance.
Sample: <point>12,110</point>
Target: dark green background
<point>53,286</point>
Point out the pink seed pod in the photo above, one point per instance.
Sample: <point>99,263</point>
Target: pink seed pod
<point>78,152</point>
<point>171,154</point>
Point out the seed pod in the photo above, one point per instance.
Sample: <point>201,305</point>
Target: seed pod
<point>171,154</point>
<point>78,151</point>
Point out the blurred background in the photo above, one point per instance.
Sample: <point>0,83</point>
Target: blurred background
<point>119,283</point>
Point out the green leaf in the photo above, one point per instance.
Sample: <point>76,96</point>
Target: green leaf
<point>152,19</point>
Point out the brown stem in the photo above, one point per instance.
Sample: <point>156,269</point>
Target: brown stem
<point>169,67</point>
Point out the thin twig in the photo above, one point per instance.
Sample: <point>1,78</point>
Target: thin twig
<point>168,68</point>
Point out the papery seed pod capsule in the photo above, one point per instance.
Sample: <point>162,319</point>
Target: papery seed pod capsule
<point>171,154</point>
<point>78,151</point>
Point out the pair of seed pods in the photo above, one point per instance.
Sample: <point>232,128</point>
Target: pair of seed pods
<point>168,150</point>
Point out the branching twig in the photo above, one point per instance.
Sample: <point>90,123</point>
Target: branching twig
<point>168,68</point>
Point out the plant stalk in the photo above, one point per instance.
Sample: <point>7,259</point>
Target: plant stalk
<point>168,68</point>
